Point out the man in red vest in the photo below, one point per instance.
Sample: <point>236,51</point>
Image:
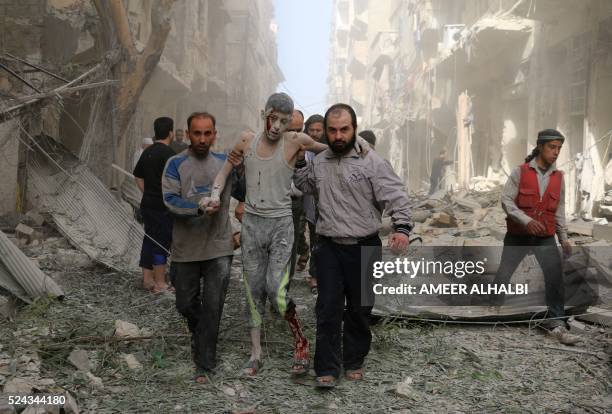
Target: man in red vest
<point>534,200</point>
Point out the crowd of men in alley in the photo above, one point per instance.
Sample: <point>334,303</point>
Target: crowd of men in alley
<point>331,180</point>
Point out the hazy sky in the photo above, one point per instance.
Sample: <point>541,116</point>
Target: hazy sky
<point>303,51</point>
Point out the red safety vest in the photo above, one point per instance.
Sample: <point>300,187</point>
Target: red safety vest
<point>528,199</point>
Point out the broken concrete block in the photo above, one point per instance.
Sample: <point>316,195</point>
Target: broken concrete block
<point>80,360</point>
<point>96,382</point>
<point>580,227</point>
<point>419,216</point>
<point>602,232</point>
<point>19,386</point>
<point>70,407</point>
<point>406,390</point>
<point>24,232</point>
<point>125,329</point>
<point>72,259</point>
<point>229,391</point>
<point>35,218</point>
<point>132,362</point>
<point>443,219</point>
<point>5,408</point>
<point>8,308</point>
<point>40,409</point>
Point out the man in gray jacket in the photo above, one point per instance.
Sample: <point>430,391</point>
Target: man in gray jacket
<point>352,190</point>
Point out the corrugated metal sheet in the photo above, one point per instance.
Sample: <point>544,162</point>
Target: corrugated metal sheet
<point>83,209</point>
<point>21,276</point>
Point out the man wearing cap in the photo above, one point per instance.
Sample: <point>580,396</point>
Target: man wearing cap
<point>534,200</point>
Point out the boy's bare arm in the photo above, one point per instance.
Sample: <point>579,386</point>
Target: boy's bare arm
<point>211,205</point>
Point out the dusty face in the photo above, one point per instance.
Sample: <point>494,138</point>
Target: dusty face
<point>202,135</point>
<point>549,151</point>
<point>340,132</point>
<point>179,135</point>
<point>276,124</point>
<point>315,130</point>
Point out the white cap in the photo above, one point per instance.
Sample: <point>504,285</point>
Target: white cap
<point>147,141</point>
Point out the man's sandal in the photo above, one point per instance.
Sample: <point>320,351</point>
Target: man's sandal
<point>354,374</point>
<point>326,381</point>
<point>254,365</point>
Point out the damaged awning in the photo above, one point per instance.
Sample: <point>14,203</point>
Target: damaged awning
<point>20,276</point>
<point>83,209</point>
<point>486,48</point>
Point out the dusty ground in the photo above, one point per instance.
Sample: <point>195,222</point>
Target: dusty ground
<point>444,368</point>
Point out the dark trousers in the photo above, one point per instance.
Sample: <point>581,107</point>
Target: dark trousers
<point>547,254</point>
<point>200,295</point>
<point>344,272</point>
<point>312,235</point>
<point>300,246</point>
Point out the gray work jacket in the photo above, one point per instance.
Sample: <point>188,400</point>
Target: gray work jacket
<point>352,192</point>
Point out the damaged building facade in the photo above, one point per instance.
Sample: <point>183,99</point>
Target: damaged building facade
<point>480,78</point>
<point>219,56</point>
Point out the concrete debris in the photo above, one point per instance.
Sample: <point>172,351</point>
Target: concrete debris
<point>406,390</point>
<point>580,227</point>
<point>96,382</point>
<point>420,216</point>
<point>229,391</point>
<point>71,406</point>
<point>35,218</point>
<point>25,232</point>
<point>467,203</point>
<point>80,359</point>
<point>5,408</point>
<point>443,219</point>
<point>8,308</point>
<point>602,232</point>
<point>132,362</point>
<point>483,184</point>
<point>39,409</point>
<point>126,330</point>
<point>66,259</point>
<point>18,386</point>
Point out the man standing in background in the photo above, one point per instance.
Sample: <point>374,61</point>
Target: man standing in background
<point>179,144</point>
<point>314,128</point>
<point>437,167</point>
<point>156,218</point>
<point>299,250</point>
